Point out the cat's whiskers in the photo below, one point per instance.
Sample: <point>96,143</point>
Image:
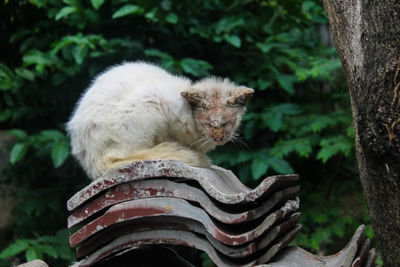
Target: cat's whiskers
<point>204,143</point>
<point>197,142</point>
<point>237,139</point>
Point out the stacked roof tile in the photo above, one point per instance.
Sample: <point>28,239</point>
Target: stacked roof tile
<point>133,209</point>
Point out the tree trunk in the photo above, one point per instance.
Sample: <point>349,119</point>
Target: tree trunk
<point>367,38</point>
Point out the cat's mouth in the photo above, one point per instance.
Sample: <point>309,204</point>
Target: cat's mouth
<point>218,136</point>
<point>219,142</point>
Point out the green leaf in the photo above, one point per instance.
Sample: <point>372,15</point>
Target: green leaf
<point>51,135</point>
<point>50,250</point>
<point>321,68</point>
<point>28,43</point>
<point>220,158</point>
<point>39,58</point>
<point>38,3</point>
<point>263,84</point>
<point>321,123</point>
<point>151,15</point>
<point>302,146</point>
<point>233,40</point>
<point>333,146</point>
<point>228,24</point>
<point>350,131</point>
<point>258,167</point>
<point>79,53</point>
<point>20,134</point>
<point>15,248</point>
<point>17,152</point>
<point>157,53</point>
<point>264,47</point>
<point>243,156</point>
<point>20,35</point>
<point>26,74</point>
<point>286,82</point>
<point>6,85</point>
<point>326,153</point>
<point>287,109</point>
<point>273,121</point>
<point>34,206</point>
<point>274,117</point>
<point>7,78</point>
<point>65,11</point>
<point>226,157</point>
<point>338,229</point>
<point>65,252</point>
<point>195,67</point>
<point>369,232</point>
<point>279,165</point>
<point>172,18</point>
<point>97,3</point>
<point>59,153</point>
<point>5,71</point>
<point>166,5</point>
<point>5,115</point>
<point>127,10</point>
<point>31,254</point>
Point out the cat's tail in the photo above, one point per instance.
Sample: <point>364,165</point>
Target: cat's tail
<point>165,150</point>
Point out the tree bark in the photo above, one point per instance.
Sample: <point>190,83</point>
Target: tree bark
<point>367,38</point>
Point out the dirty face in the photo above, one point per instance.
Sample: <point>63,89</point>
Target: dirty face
<point>218,113</point>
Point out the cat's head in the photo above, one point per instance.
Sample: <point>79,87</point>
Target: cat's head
<point>218,106</point>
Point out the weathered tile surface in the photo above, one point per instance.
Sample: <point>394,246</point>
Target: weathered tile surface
<point>179,208</point>
<point>352,255</point>
<point>165,188</point>
<point>220,184</point>
<point>146,203</point>
<point>188,225</point>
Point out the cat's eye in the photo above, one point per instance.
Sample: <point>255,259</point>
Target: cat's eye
<point>197,105</point>
<point>234,105</point>
<point>236,102</point>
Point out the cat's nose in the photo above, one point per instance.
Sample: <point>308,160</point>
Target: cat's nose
<point>218,134</point>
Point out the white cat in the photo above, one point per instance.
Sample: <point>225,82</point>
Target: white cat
<point>138,111</point>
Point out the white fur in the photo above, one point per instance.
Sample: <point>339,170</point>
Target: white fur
<point>135,111</point>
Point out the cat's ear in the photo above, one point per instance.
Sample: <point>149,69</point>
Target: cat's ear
<point>240,96</point>
<point>195,97</point>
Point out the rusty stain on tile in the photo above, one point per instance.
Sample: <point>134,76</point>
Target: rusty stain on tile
<point>166,188</point>
<point>134,209</point>
<point>188,225</point>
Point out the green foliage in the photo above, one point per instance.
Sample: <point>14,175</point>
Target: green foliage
<point>298,121</point>
<point>45,142</point>
<point>127,10</point>
<point>56,247</point>
<point>332,214</point>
